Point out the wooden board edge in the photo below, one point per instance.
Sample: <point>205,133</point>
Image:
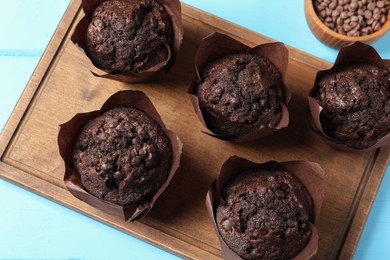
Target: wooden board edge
<point>137,229</point>
<point>38,75</point>
<point>254,37</point>
<point>367,199</point>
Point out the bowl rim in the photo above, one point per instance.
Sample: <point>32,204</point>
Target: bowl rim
<point>310,9</point>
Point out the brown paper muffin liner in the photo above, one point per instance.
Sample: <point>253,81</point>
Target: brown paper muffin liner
<point>69,131</point>
<point>173,9</point>
<point>356,53</point>
<point>217,45</point>
<point>310,174</point>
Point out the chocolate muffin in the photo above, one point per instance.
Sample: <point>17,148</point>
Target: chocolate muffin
<point>356,104</point>
<point>240,93</point>
<point>122,156</point>
<point>128,35</point>
<point>265,215</point>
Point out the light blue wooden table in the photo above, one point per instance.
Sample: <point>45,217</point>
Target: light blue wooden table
<point>32,227</point>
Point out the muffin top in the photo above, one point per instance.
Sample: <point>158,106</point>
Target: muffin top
<point>128,35</point>
<point>239,94</point>
<point>265,215</point>
<point>122,156</point>
<point>356,104</point>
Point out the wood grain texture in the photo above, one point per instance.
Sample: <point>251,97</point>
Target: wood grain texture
<point>62,86</point>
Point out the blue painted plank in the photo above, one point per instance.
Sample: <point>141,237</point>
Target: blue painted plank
<point>27,25</point>
<point>33,227</point>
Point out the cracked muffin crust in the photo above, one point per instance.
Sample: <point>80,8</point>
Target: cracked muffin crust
<point>356,104</point>
<point>128,35</point>
<point>123,156</point>
<point>240,93</point>
<point>265,215</point>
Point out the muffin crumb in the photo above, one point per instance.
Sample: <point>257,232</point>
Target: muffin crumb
<point>356,104</point>
<point>128,35</point>
<point>265,215</point>
<point>123,156</point>
<point>239,94</point>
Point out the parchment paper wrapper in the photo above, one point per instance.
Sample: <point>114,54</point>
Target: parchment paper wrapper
<point>356,53</point>
<point>217,45</point>
<point>309,173</point>
<point>173,9</point>
<point>69,131</point>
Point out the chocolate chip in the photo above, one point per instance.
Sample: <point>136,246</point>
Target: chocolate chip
<point>377,11</point>
<point>371,6</point>
<point>328,19</point>
<point>217,91</point>
<point>234,102</point>
<point>98,23</point>
<point>353,6</point>
<point>102,136</point>
<point>264,231</point>
<point>383,19</point>
<point>142,153</point>
<point>152,157</point>
<point>152,148</point>
<point>135,162</point>
<point>377,16</point>
<point>352,17</point>
<point>335,13</point>
<point>106,167</point>
<point>263,102</point>
<point>226,224</point>
<point>112,123</point>
<point>136,140</point>
<point>117,175</point>
<point>119,128</point>
<point>377,27</point>
<point>271,178</point>
<point>347,27</point>
<point>133,152</point>
<point>141,131</point>
<point>291,223</point>
<point>344,15</point>
<point>367,14</point>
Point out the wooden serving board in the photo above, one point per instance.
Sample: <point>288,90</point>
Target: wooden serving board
<point>62,86</point>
